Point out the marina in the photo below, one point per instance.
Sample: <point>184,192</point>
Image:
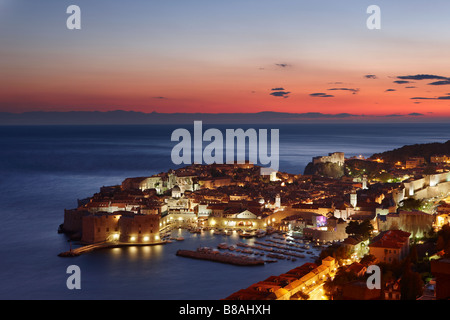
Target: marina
<point>209,254</point>
<point>247,251</point>
<point>274,247</point>
<point>243,258</point>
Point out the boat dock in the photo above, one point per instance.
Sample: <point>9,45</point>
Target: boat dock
<point>213,255</point>
<point>104,245</point>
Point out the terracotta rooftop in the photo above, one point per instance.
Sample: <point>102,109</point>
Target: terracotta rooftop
<point>394,239</point>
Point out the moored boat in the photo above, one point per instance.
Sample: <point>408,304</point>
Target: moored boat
<point>246,234</point>
<point>223,245</point>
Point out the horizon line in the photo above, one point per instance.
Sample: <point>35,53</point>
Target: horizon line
<point>342,114</point>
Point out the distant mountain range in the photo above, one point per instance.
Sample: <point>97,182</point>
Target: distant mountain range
<point>118,117</point>
<point>132,117</point>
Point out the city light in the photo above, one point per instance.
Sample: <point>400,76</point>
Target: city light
<point>339,214</point>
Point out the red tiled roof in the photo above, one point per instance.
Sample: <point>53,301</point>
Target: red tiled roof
<point>394,239</point>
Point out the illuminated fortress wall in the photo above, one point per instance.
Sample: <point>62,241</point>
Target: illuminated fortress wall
<point>428,186</point>
<point>336,157</point>
<point>122,226</point>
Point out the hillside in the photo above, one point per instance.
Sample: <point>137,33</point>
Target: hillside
<point>328,169</point>
<point>426,150</point>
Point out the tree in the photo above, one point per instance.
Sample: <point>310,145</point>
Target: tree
<point>361,230</point>
<point>337,251</point>
<point>431,234</point>
<point>385,177</point>
<point>366,229</point>
<point>352,227</point>
<point>334,287</point>
<point>411,204</point>
<point>411,285</point>
<point>443,241</point>
<point>413,255</point>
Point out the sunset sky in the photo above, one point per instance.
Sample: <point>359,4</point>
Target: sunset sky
<point>226,56</point>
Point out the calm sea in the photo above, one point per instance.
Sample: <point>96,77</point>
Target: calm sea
<point>44,170</point>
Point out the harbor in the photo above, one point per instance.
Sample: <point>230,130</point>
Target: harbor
<point>236,247</point>
<point>244,250</point>
<point>139,272</point>
<point>209,254</point>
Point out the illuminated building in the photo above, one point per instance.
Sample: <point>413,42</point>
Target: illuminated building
<point>289,285</point>
<point>336,157</point>
<point>390,245</point>
<point>331,229</point>
<point>120,226</point>
<point>100,227</point>
<point>417,223</point>
<point>140,228</point>
<point>414,162</point>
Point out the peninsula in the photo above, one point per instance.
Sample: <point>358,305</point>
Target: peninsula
<point>375,210</point>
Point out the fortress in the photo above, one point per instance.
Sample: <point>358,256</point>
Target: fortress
<point>336,157</point>
<point>161,183</point>
<point>429,186</point>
